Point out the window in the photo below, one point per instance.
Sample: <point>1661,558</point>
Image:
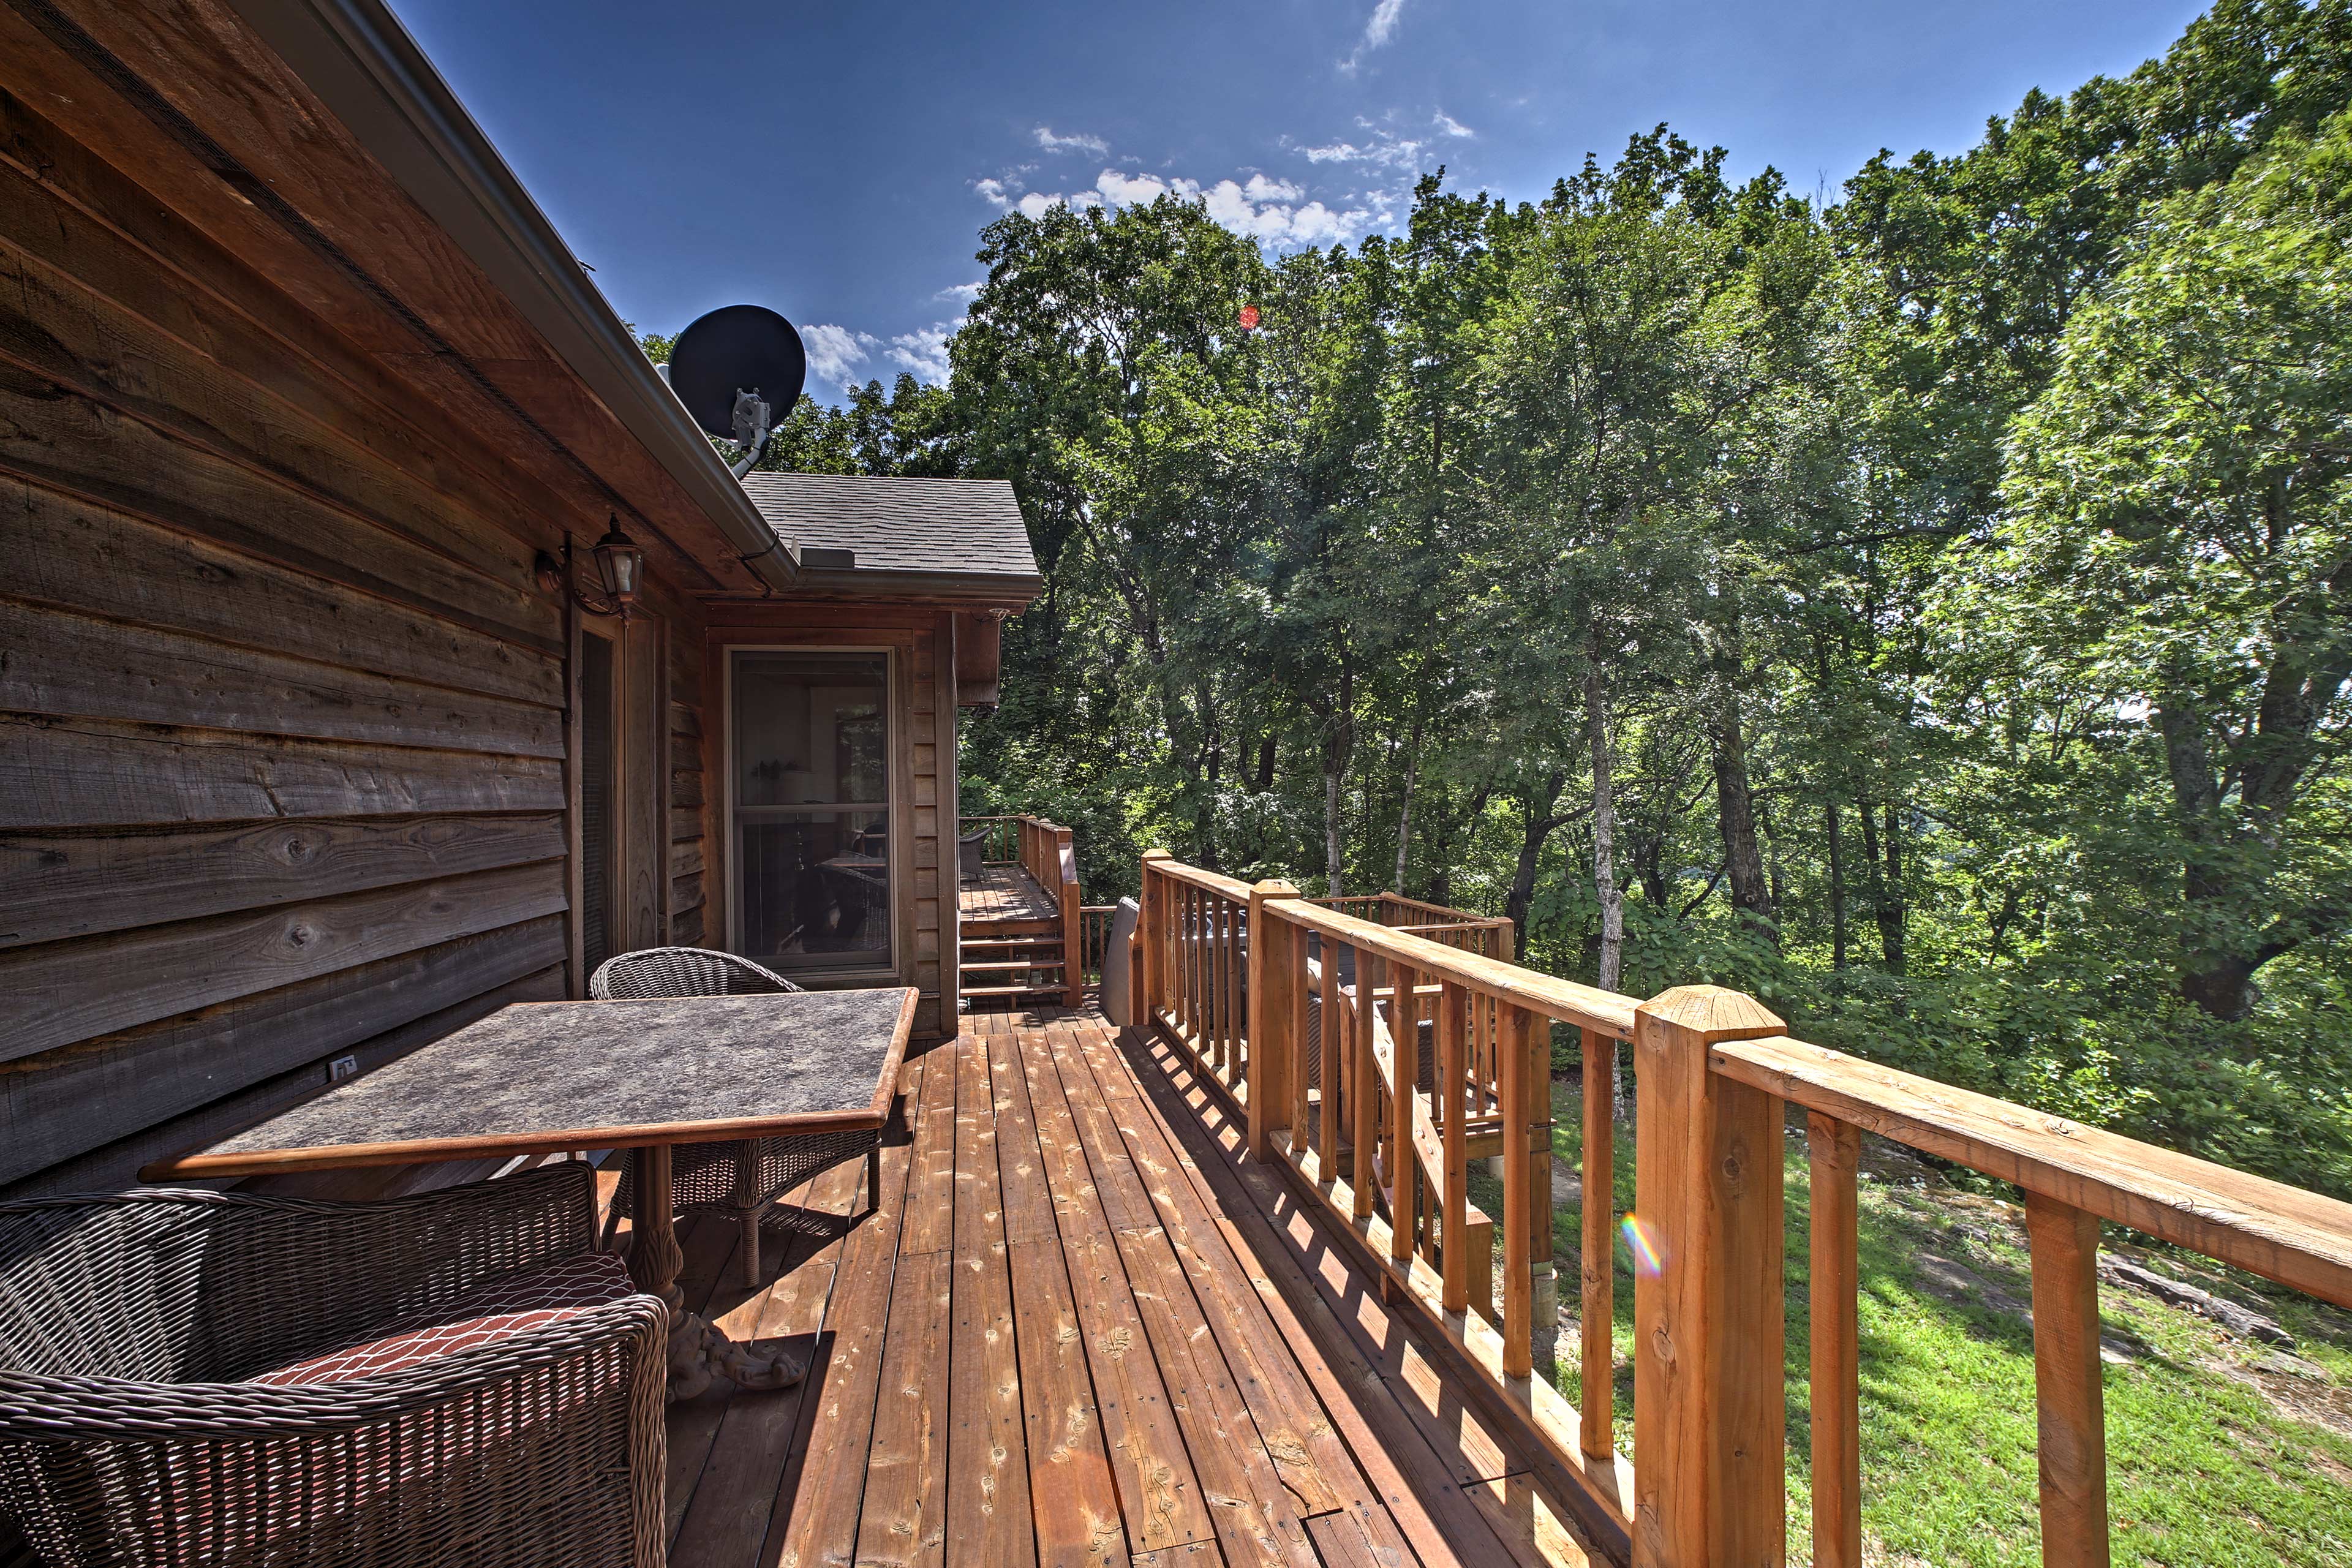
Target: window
<point>809,795</point>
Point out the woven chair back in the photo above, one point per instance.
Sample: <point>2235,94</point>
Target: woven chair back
<point>682,972</point>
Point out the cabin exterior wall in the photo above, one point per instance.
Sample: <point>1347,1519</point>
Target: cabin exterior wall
<point>285,720</point>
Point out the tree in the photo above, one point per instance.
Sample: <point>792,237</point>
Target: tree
<point>2180,539</point>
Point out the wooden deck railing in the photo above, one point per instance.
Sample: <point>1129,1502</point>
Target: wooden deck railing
<point>1487,934</point>
<point>1044,850</point>
<point>1230,971</point>
<point>1093,939</point>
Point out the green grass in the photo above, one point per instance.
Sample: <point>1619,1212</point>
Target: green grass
<point>2221,1451</point>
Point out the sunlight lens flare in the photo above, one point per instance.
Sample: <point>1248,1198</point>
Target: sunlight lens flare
<point>1649,1255</point>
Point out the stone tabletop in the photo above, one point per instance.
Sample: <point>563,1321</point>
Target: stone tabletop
<point>549,1075</point>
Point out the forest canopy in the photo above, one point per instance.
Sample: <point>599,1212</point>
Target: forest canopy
<point>1929,610</point>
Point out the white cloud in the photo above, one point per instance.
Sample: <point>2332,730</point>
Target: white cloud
<point>1270,210</point>
<point>1382,149</point>
<point>1450,126</point>
<point>924,351</point>
<point>1379,28</point>
<point>831,351</point>
<point>1121,190</point>
<point>967,292</point>
<point>1080,143</point>
<point>1316,224</point>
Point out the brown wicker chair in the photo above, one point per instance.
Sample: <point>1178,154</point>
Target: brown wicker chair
<point>132,1432</point>
<point>739,1176</point>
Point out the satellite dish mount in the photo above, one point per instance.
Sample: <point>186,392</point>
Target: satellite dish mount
<point>739,370</point>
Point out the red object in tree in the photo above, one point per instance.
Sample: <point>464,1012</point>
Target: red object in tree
<point>1249,318</point>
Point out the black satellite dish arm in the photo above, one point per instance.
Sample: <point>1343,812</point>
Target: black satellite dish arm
<point>754,423</point>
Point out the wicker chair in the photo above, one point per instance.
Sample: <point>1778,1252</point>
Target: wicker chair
<point>186,1377</point>
<point>739,1176</point>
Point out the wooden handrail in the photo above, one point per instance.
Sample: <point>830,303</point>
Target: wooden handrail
<point>2299,1239</point>
<point>1565,1001</point>
<point>1718,1074</point>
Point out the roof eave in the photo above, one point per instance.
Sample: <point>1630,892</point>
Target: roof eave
<point>364,66</point>
<point>1005,590</point>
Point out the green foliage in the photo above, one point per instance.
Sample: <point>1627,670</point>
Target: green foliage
<point>1931,613</point>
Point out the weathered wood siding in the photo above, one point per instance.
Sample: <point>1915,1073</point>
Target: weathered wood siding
<point>282,712</point>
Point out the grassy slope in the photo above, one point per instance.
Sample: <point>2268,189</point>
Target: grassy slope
<point>2207,1460</point>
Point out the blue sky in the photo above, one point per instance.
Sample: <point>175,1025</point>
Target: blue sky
<point>837,161</point>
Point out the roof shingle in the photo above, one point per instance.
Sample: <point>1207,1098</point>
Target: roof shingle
<point>969,527</point>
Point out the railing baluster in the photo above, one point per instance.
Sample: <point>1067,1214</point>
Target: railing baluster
<point>1519,1263</point>
<point>2069,1402</point>
<point>1834,1150</point>
<point>1367,1084</point>
<point>1228,1029</point>
<point>1193,949</point>
<point>1599,1233</point>
<point>1326,1126</point>
<point>1237,1006</point>
<point>1297,1045</point>
<point>1220,958</point>
<point>1453,1028</point>
<point>1404,1059</point>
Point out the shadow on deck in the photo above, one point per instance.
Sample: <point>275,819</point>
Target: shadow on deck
<point>1080,1330</point>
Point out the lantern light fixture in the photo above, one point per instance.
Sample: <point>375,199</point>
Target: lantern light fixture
<point>619,563</point>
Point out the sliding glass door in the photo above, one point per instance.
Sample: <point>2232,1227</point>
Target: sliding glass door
<point>809,802</point>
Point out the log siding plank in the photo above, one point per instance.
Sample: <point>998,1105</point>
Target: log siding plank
<point>74,667</point>
<point>87,773</point>
<point>59,992</point>
<point>65,1102</point>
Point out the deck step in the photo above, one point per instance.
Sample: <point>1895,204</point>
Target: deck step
<point>1016,966</point>
<point>1012,991</point>
<point>1041,939</point>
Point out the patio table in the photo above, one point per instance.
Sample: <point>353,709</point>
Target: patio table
<point>543,1077</point>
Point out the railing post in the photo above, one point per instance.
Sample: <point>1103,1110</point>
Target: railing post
<point>1067,897</point>
<point>1275,975</point>
<point>1710,1420</point>
<point>1151,924</point>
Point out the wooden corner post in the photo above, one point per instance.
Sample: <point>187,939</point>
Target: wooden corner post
<point>1710,1415</point>
<point>1148,982</point>
<point>1063,850</point>
<point>1276,971</point>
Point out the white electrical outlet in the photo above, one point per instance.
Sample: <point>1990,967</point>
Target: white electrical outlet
<point>341,1067</point>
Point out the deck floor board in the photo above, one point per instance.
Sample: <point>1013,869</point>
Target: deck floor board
<point>1075,1333</point>
<point>1004,893</point>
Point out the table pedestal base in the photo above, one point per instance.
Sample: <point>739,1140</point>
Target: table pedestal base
<point>698,1351</point>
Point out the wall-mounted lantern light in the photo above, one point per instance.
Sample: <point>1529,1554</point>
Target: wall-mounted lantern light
<point>618,562</point>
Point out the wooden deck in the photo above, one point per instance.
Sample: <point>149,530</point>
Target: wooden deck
<point>1005,893</point>
<point>1079,1330</point>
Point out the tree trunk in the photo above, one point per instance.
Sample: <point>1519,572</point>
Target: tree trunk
<point>1833,820</point>
<point>1604,830</point>
<point>1885,880</point>
<point>1540,823</point>
<point>1404,812</point>
<point>1338,742</point>
<point>1751,893</point>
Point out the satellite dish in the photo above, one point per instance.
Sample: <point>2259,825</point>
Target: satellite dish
<point>739,370</point>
